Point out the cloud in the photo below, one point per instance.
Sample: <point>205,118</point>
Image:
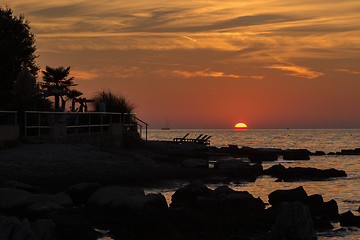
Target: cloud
<point>84,75</point>
<point>209,73</point>
<point>347,71</point>
<point>298,71</point>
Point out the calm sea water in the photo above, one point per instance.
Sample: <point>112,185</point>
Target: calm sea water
<point>346,191</point>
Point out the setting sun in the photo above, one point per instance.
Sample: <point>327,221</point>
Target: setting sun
<point>241,125</point>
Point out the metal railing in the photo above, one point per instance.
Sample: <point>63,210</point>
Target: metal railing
<point>37,123</point>
<point>8,118</point>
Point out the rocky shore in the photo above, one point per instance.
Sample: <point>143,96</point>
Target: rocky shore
<point>55,191</point>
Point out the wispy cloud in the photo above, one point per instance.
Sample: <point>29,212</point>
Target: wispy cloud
<point>347,71</point>
<point>84,75</point>
<point>209,73</point>
<point>298,71</point>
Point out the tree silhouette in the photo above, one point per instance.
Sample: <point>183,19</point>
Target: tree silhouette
<point>57,83</point>
<point>73,95</point>
<point>113,102</point>
<point>17,52</point>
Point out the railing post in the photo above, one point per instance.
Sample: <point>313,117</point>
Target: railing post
<point>77,124</point>
<point>39,124</point>
<point>123,121</point>
<point>101,122</point>
<point>89,123</point>
<point>25,124</point>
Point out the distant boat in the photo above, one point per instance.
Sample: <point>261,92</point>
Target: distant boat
<point>167,126</point>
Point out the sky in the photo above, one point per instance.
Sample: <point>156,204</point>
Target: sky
<point>210,63</point>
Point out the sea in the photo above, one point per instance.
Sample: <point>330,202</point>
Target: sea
<point>346,191</point>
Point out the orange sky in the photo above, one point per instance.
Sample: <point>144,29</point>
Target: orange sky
<point>210,63</point>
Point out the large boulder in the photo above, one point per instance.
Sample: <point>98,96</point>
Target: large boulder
<point>275,170</point>
<point>116,196</point>
<point>72,224</point>
<point>12,228</point>
<point>195,163</point>
<point>81,192</point>
<point>296,154</point>
<point>19,202</point>
<point>263,155</point>
<point>187,196</point>
<point>291,195</point>
<point>293,222</point>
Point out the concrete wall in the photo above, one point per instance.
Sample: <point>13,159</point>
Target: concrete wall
<point>9,132</point>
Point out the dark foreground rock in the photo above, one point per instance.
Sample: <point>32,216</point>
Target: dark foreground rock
<point>293,222</point>
<point>293,173</point>
<point>349,219</point>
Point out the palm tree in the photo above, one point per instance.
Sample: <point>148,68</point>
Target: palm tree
<point>57,83</point>
<point>73,95</point>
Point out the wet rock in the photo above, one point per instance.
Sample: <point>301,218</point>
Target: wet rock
<point>187,196</point>
<point>195,163</point>
<point>293,222</point>
<point>81,192</point>
<point>262,155</point>
<point>296,154</point>
<point>231,164</point>
<point>319,153</point>
<point>349,219</point>
<point>275,170</point>
<point>291,195</point>
<point>11,228</point>
<point>303,173</point>
<point>355,151</point>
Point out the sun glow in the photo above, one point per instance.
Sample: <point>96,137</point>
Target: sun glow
<point>240,125</point>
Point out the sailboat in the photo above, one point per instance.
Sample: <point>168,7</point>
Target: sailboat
<point>167,126</point>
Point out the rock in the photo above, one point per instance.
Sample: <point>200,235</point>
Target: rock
<point>349,219</point>
<point>44,229</point>
<point>81,192</point>
<point>195,163</point>
<point>303,173</point>
<point>275,170</point>
<point>21,186</point>
<point>187,196</point>
<point>155,202</point>
<point>293,222</point>
<point>296,154</point>
<point>45,203</point>
<point>72,224</point>
<point>311,173</point>
<point>115,196</point>
<point>20,202</point>
<point>319,153</point>
<point>325,210</point>
<point>291,195</point>
<point>355,151</point>
<point>11,228</point>
<point>231,164</point>
<point>262,155</point>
